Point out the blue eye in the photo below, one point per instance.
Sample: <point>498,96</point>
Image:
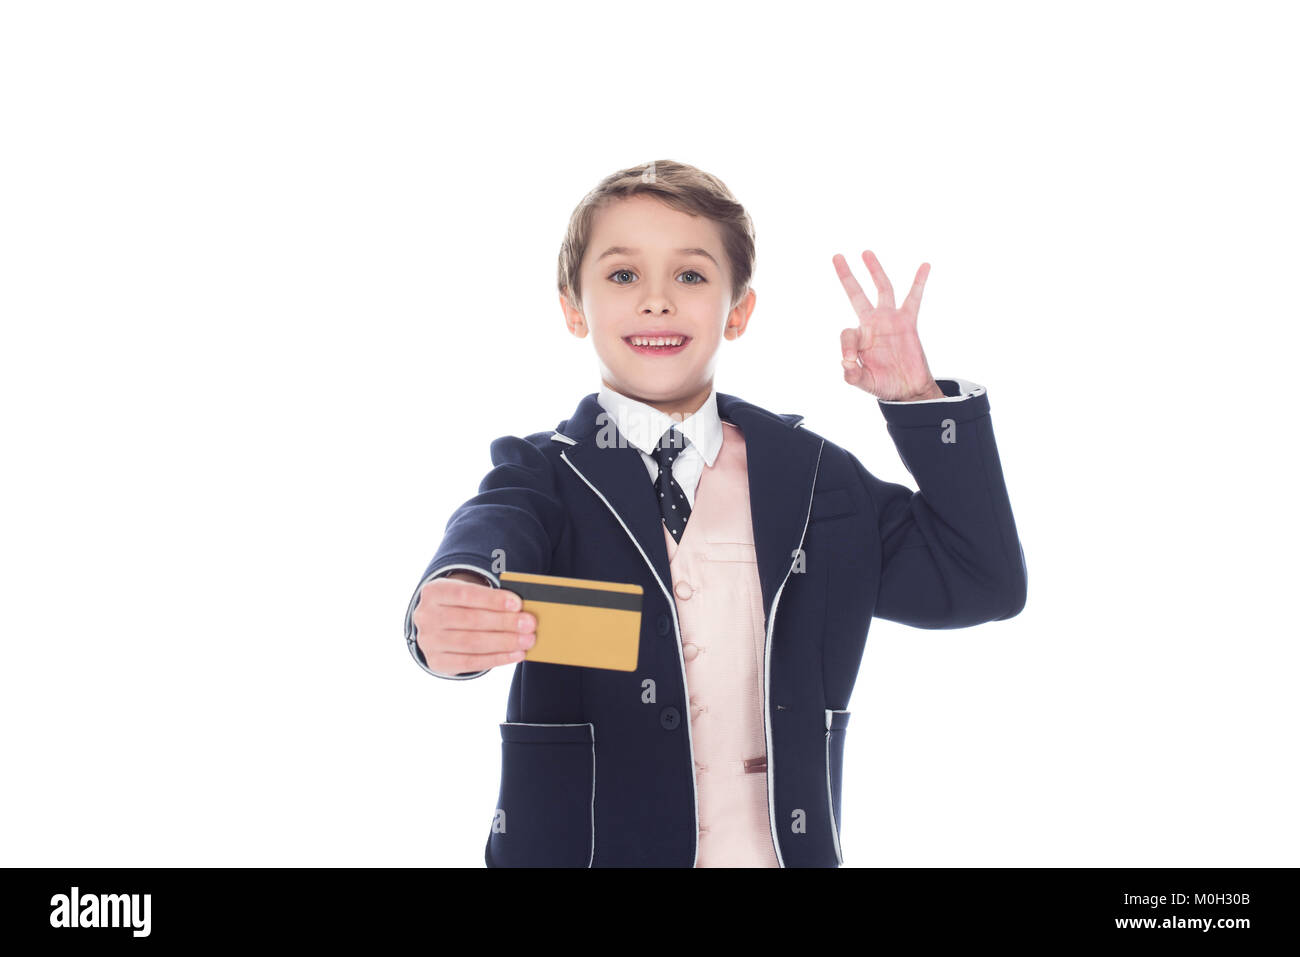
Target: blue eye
<point>700,280</point>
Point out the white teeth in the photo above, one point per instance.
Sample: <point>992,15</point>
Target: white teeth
<point>657,340</point>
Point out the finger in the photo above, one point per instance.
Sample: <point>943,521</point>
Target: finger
<point>450,591</point>
<point>452,664</point>
<point>854,342</point>
<point>849,347</point>
<point>849,355</point>
<point>486,619</point>
<point>912,303</point>
<point>483,642</point>
<point>861,304</point>
<point>859,376</point>
<point>883,285</point>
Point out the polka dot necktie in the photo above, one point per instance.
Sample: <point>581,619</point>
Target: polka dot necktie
<point>672,500</point>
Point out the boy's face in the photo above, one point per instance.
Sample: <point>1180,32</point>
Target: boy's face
<point>638,281</point>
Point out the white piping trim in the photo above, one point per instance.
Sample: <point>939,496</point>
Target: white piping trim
<point>681,660</point>
<point>415,600</point>
<point>830,802</point>
<point>968,391</point>
<point>767,672</point>
<point>561,437</point>
<point>576,724</point>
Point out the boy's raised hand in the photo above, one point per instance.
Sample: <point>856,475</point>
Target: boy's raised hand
<point>464,624</point>
<point>882,355</point>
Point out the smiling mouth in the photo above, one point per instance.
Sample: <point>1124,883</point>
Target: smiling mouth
<point>657,345</point>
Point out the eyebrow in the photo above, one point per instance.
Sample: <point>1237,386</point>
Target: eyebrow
<point>628,251</point>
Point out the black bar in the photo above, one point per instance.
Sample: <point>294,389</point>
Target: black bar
<point>572,595</point>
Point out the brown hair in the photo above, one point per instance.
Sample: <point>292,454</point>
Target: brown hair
<point>680,186</point>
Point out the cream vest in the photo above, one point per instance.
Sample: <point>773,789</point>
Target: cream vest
<point>720,609</point>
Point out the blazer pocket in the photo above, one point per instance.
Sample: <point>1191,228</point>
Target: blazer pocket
<point>545,814</point>
<point>731,536</point>
<point>837,722</point>
<point>832,503</point>
<point>730,552</point>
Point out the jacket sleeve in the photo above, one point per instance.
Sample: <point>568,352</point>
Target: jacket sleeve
<point>517,516</point>
<point>950,554</point>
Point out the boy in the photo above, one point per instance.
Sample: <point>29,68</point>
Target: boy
<point>763,551</point>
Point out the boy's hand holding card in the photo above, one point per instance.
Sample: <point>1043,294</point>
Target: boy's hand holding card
<point>580,621</point>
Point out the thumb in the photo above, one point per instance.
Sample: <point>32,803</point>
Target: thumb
<point>853,372</point>
<point>849,347</point>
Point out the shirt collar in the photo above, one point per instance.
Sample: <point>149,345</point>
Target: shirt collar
<point>642,425</point>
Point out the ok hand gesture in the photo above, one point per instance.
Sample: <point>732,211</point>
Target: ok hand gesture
<point>882,355</point>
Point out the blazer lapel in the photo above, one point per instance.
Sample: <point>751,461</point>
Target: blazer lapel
<point>613,468</point>
<point>782,465</point>
<point>782,462</point>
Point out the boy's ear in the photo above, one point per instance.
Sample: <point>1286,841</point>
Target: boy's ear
<point>573,318</point>
<point>738,318</point>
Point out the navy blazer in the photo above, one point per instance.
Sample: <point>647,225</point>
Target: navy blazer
<point>597,766</point>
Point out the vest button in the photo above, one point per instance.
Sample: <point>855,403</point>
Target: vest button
<point>683,590</point>
<point>690,651</point>
<point>670,718</point>
<point>665,625</point>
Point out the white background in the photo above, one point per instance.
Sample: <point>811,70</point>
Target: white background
<point>274,275</point>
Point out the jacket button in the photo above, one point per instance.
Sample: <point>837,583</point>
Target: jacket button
<point>690,651</point>
<point>683,590</point>
<point>670,718</point>
<point>665,625</point>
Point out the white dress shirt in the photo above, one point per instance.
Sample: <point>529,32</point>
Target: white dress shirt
<point>642,426</point>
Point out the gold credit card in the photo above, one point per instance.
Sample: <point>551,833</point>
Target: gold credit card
<point>580,621</point>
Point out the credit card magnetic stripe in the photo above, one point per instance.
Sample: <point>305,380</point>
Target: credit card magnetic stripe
<point>570,595</point>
